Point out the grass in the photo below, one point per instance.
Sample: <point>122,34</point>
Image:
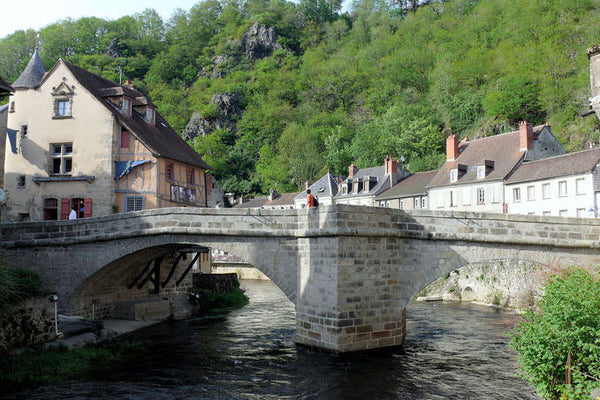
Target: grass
<point>213,302</point>
<point>17,284</point>
<point>40,366</point>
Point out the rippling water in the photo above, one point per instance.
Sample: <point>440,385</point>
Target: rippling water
<point>450,352</point>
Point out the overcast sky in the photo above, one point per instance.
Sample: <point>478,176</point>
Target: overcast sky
<point>36,14</point>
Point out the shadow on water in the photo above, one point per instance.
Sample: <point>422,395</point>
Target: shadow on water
<point>450,352</point>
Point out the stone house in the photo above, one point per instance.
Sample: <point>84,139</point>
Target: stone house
<point>325,189</point>
<point>473,176</point>
<point>77,140</point>
<point>408,194</point>
<point>363,185</point>
<point>567,185</point>
<point>5,89</point>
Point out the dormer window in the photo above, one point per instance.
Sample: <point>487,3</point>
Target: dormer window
<point>126,106</point>
<point>150,116</point>
<point>344,188</point>
<point>484,168</point>
<point>453,175</point>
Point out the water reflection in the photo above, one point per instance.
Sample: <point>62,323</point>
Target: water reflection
<point>450,352</point>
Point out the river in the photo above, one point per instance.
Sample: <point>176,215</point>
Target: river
<point>451,351</point>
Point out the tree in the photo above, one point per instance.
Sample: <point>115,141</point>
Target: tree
<point>566,326</point>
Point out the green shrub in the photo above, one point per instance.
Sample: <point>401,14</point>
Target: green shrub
<point>568,322</point>
<point>17,284</point>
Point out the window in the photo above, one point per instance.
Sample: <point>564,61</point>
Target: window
<point>581,213</point>
<point>24,130</point>
<point>517,194</point>
<point>546,190</point>
<point>402,204</point>
<point>562,188</point>
<point>12,107</point>
<point>453,175</point>
<point>580,186</point>
<point>134,203</point>
<point>62,159</point>
<point>62,107</point>
<point>530,193</point>
<point>546,213</point>
<point>126,106</point>
<point>388,204</point>
<point>345,188</point>
<point>480,171</point>
<point>423,203</point>
<point>169,171</point>
<point>51,209</point>
<point>150,116</point>
<point>562,213</point>
<point>125,138</point>
<point>452,199</point>
<point>190,177</point>
<point>480,196</point>
<point>78,205</point>
<point>417,203</point>
<point>21,181</point>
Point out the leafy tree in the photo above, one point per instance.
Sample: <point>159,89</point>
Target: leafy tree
<point>566,325</point>
<point>516,99</point>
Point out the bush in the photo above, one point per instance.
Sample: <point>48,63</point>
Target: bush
<point>17,284</point>
<point>568,322</point>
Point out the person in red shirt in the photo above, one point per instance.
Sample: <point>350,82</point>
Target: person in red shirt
<point>310,199</point>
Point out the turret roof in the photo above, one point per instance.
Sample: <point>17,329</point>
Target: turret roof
<point>32,75</point>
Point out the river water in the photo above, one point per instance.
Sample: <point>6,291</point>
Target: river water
<point>450,352</point>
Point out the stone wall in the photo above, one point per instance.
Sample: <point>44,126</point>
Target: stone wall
<point>29,322</point>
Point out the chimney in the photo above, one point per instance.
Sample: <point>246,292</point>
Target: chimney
<point>272,194</point>
<point>391,165</point>
<point>352,170</point>
<point>451,147</point>
<point>525,136</point>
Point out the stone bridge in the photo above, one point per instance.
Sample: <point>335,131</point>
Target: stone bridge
<point>350,271</point>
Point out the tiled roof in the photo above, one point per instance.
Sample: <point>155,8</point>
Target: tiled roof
<point>327,185</point>
<point>32,75</point>
<point>161,139</point>
<point>5,87</point>
<point>553,167</point>
<point>413,185</point>
<point>283,199</point>
<point>503,150</point>
<point>253,203</point>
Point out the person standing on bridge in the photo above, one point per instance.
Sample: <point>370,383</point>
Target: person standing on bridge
<point>310,199</point>
<point>73,213</point>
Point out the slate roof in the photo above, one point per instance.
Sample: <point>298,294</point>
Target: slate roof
<point>383,182</point>
<point>283,199</point>
<point>327,185</point>
<point>554,167</point>
<point>413,185</point>
<point>32,75</point>
<point>5,87</point>
<point>160,139</point>
<point>503,150</point>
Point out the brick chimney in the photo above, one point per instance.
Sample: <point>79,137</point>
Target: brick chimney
<point>272,194</point>
<point>451,147</point>
<point>391,166</point>
<point>352,170</point>
<point>525,136</point>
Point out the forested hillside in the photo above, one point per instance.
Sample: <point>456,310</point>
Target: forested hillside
<point>282,92</point>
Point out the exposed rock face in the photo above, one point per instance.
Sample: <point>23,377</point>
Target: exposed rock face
<point>26,323</point>
<point>260,41</point>
<point>229,109</point>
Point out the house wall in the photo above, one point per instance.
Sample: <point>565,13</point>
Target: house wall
<point>465,197</point>
<point>90,130</point>
<point>356,201</point>
<point>405,203</point>
<point>573,204</point>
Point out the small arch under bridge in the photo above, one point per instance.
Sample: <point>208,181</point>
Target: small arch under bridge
<point>349,270</point>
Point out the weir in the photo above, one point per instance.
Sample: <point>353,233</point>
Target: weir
<point>349,270</point>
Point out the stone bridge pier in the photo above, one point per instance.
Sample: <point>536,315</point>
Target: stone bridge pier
<point>350,271</point>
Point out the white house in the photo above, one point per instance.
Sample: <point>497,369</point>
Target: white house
<point>566,185</point>
<point>408,194</point>
<point>473,176</point>
<point>324,189</point>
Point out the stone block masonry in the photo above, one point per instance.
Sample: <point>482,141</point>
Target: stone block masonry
<point>350,271</point>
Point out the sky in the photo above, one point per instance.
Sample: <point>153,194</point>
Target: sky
<point>36,14</point>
